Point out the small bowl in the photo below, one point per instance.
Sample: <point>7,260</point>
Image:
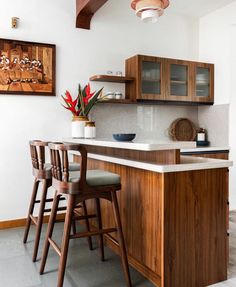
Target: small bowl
<point>124,137</point>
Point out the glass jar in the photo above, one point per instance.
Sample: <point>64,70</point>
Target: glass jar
<point>201,135</point>
<point>90,130</point>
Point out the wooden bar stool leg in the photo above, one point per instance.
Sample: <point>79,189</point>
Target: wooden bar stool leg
<point>49,231</point>
<point>99,219</point>
<point>31,209</point>
<point>121,241</point>
<point>40,218</point>
<point>66,239</point>
<point>90,243</point>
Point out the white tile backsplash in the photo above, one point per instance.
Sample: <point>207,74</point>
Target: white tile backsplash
<point>147,121</point>
<point>215,119</point>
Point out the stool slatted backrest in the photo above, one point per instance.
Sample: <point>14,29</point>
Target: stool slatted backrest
<point>60,163</point>
<point>37,151</point>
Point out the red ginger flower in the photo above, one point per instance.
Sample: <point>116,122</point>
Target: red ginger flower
<point>70,100</point>
<point>71,105</point>
<point>89,95</point>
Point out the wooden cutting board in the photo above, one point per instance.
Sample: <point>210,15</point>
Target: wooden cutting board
<point>182,130</point>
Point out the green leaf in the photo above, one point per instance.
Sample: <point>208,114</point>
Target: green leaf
<point>80,100</point>
<point>92,102</point>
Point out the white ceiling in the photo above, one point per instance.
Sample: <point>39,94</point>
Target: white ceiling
<point>197,8</point>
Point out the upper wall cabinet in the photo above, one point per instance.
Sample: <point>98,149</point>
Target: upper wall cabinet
<point>169,80</point>
<point>149,81</point>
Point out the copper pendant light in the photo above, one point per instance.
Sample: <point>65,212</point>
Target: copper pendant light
<point>149,10</point>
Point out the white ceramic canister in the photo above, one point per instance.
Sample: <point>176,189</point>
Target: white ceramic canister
<point>90,130</point>
<point>78,124</point>
<point>118,95</point>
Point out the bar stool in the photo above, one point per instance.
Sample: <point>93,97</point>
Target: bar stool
<point>78,187</point>
<point>42,174</point>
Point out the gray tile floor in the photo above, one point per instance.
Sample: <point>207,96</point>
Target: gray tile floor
<point>84,268</point>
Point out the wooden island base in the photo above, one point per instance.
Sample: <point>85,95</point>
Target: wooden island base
<point>175,224</point>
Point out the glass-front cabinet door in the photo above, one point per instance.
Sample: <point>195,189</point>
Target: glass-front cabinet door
<point>203,83</point>
<point>178,80</point>
<point>151,78</point>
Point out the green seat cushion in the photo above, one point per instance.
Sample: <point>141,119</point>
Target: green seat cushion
<point>74,166</point>
<point>97,177</point>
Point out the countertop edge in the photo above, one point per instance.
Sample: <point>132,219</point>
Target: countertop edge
<point>206,149</point>
<point>189,163</point>
<point>140,146</point>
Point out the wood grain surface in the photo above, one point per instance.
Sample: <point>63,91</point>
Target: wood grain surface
<point>175,225</point>
<point>160,157</point>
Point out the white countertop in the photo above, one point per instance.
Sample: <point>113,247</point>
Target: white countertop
<point>134,145</point>
<point>187,163</point>
<point>206,149</point>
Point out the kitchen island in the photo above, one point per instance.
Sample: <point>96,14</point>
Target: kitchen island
<point>174,210</point>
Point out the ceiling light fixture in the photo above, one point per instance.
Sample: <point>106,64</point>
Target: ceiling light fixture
<point>149,10</point>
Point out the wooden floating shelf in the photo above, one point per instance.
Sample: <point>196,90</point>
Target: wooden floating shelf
<point>114,101</point>
<point>113,79</point>
<point>85,9</point>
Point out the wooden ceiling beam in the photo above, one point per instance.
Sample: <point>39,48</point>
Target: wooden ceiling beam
<point>85,9</point>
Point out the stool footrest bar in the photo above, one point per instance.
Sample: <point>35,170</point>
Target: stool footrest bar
<point>50,200</point>
<point>59,209</point>
<point>55,246</point>
<point>34,219</point>
<point>93,233</point>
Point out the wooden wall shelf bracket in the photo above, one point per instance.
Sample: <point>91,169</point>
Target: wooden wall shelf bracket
<point>85,9</point>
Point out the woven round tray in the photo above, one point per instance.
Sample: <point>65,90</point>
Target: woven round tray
<point>182,130</point>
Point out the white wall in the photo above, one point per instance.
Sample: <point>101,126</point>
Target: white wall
<point>217,44</point>
<point>115,35</point>
<point>232,115</point>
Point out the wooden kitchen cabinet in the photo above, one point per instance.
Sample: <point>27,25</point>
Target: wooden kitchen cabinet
<point>174,223</point>
<point>221,154</point>
<point>169,80</point>
<point>149,77</point>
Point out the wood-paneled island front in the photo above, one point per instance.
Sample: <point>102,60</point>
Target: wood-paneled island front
<point>174,210</point>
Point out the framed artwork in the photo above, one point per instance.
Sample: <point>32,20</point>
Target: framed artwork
<point>27,68</point>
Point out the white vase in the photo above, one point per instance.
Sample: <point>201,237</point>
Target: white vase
<point>77,126</point>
